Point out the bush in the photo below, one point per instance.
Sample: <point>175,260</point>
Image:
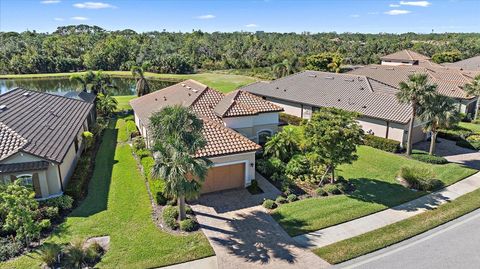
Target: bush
<point>49,253</point>
<point>292,198</point>
<point>455,133</point>
<point>78,184</point>
<point>419,178</point>
<point>381,143</point>
<point>474,141</point>
<point>298,165</point>
<point>9,248</point>
<point>275,165</point>
<point>280,200</point>
<point>138,143</point>
<point>143,153</point>
<point>188,225</point>
<point>188,210</point>
<point>63,202</point>
<point>171,223</point>
<point>131,128</point>
<point>157,186</point>
<point>170,212</point>
<point>290,119</point>
<point>426,158</point>
<point>342,186</point>
<point>331,189</point>
<point>269,204</point>
<point>48,212</point>
<point>45,224</point>
<point>321,192</point>
<point>93,253</point>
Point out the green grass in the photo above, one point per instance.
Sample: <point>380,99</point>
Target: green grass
<point>394,233</point>
<point>123,102</point>
<point>118,205</point>
<point>221,82</point>
<point>470,126</point>
<point>373,175</point>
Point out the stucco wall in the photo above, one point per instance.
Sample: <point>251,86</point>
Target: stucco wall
<point>291,108</point>
<point>249,157</point>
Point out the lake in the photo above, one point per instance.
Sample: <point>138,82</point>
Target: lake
<point>126,86</point>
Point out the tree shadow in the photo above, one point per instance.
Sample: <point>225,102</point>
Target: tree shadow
<point>99,185</point>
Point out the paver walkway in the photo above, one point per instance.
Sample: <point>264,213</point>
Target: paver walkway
<point>372,222</point>
<point>244,235</point>
<point>453,153</point>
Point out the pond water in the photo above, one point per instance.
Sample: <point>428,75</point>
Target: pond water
<point>126,86</point>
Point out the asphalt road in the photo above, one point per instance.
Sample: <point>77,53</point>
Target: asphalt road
<point>453,245</point>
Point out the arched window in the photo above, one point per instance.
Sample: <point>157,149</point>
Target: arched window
<point>263,137</point>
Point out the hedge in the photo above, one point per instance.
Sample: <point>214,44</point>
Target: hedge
<point>426,158</point>
<point>157,186</point>
<point>381,143</point>
<point>290,119</point>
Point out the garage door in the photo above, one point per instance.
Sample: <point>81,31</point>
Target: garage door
<point>224,178</point>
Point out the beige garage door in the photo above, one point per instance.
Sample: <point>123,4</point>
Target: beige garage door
<point>224,178</point>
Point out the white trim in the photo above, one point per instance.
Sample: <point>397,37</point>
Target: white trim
<point>246,162</point>
<point>50,196</point>
<point>263,130</point>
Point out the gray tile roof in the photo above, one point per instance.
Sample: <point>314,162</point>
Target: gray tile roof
<point>49,123</point>
<point>349,92</point>
<point>472,63</point>
<point>450,82</point>
<point>82,96</point>
<point>25,166</point>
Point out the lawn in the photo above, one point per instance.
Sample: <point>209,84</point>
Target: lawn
<point>373,175</point>
<point>221,82</point>
<point>470,126</point>
<point>118,205</point>
<point>123,102</point>
<point>394,233</point>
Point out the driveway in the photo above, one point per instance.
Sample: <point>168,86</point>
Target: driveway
<point>452,245</point>
<point>244,235</point>
<point>453,153</point>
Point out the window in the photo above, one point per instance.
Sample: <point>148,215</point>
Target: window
<point>263,137</point>
<point>26,180</point>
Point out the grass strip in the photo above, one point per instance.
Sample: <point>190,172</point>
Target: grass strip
<point>399,231</point>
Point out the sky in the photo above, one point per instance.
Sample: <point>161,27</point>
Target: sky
<point>365,16</point>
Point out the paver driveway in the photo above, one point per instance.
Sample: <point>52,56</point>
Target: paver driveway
<point>244,235</point>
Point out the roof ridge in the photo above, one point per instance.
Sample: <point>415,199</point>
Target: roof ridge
<point>409,55</point>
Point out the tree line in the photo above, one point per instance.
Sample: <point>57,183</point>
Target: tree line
<point>82,47</point>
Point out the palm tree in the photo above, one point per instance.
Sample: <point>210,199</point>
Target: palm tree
<point>283,144</point>
<point>101,83</point>
<point>438,112</point>
<point>473,88</point>
<point>284,68</point>
<point>177,135</point>
<point>106,104</point>
<point>414,92</point>
<point>141,85</point>
<point>81,79</point>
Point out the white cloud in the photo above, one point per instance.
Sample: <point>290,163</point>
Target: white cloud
<point>394,5</point>
<point>59,19</point>
<point>397,12</point>
<point>79,18</point>
<point>251,25</point>
<point>50,2</point>
<point>355,16</point>
<point>415,3</point>
<point>206,17</point>
<point>93,5</point>
<point>373,13</point>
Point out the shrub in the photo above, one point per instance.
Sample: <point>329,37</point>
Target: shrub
<point>48,254</point>
<point>9,248</point>
<point>455,133</point>
<point>342,186</point>
<point>131,128</point>
<point>426,158</point>
<point>45,224</point>
<point>331,189</point>
<point>143,153</point>
<point>170,212</point>
<point>78,183</point>
<point>157,186</point>
<point>321,192</point>
<point>275,165</point>
<point>474,140</point>
<point>188,225</point>
<point>160,198</point>
<point>290,119</point>
<point>381,143</point>
<point>297,166</point>
<point>63,202</point>
<point>292,198</point>
<point>48,212</point>
<point>188,210</point>
<point>93,253</point>
<point>280,200</point>
<point>171,223</point>
<point>138,143</point>
<point>420,178</point>
<point>269,204</point>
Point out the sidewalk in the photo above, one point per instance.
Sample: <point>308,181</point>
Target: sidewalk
<point>205,263</point>
<point>374,221</point>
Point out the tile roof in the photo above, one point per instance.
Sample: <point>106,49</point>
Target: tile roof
<point>82,96</point>
<point>25,166</point>
<point>405,55</point>
<point>472,63</point>
<point>358,93</point>
<point>210,105</point>
<point>10,141</point>
<point>49,123</point>
<point>450,82</point>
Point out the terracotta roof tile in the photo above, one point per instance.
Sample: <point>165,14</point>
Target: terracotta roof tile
<point>406,55</point>
<point>10,141</point>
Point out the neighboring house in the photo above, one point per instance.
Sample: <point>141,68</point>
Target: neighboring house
<point>408,58</point>
<point>450,82</point>
<point>303,93</point>
<point>472,63</point>
<point>41,139</point>
<point>233,124</point>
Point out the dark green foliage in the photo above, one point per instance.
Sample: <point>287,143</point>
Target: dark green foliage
<point>78,183</point>
<point>465,144</point>
<point>49,254</point>
<point>142,153</point>
<point>138,143</point>
<point>270,166</point>
<point>426,158</point>
<point>170,212</point>
<point>290,119</point>
<point>63,202</point>
<point>331,189</point>
<point>321,192</point>
<point>419,178</point>
<point>291,198</point>
<point>298,165</point>
<point>188,210</point>
<point>48,212</point>
<point>381,143</point>
<point>455,133</point>
<point>9,248</point>
<point>327,61</point>
<point>447,57</point>
<point>171,223</point>
<point>269,204</point>
<point>280,200</point>
<point>157,186</point>
<point>188,225</point>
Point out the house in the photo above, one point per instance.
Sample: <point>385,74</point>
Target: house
<point>303,93</point>
<point>407,58</point>
<point>450,82</point>
<point>41,139</point>
<point>233,124</point>
<point>472,63</point>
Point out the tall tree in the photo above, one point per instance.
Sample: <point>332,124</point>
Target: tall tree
<point>283,69</point>
<point>102,83</point>
<point>327,61</point>
<point>283,144</point>
<point>141,86</point>
<point>334,134</point>
<point>438,112</point>
<point>106,104</point>
<point>177,136</point>
<point>473,88</point>
<point>414,92</point>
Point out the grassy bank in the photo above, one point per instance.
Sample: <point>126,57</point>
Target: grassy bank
<point>118,205</point>
<point>221,82</point>
<point>394,233</point>
<point>374,176</point>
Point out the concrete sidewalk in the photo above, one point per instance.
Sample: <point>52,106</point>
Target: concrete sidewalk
<point>374,221</point>
<point>205,263</point>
